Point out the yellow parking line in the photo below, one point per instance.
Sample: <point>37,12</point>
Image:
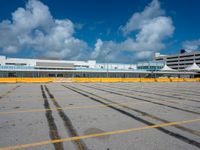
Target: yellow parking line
<point>67,107</point>
<point>74,107</point>
<point>97,135</point>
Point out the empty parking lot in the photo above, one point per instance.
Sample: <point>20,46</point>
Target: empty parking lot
<point>100,116</point>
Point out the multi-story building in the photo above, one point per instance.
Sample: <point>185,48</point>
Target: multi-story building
<point>179,61</point>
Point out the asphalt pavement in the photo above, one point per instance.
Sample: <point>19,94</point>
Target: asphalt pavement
<point>100,116</point>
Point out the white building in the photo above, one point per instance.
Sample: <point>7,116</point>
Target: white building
<point>56,68</point>
<point>20,67</point>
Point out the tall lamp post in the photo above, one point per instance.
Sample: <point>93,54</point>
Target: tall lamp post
<point>107,64</point>
<point>107,70</point>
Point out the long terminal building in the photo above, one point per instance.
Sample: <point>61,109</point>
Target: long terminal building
<point>21,67</point>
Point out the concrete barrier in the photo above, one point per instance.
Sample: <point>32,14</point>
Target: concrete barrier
<point>177,79</point>
<point>131,80</point>
<point>85,80</point>
<point>111,79</point>
<point>82,80</point>
<point>8,80</point>
<point>147,80</point>
<point>60,80</point>
<point>191,79</point>
<point>95,80</point>
<point>162,80</point>
<point>34,80</point>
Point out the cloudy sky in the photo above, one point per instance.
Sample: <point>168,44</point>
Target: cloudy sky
<point>123,31</point>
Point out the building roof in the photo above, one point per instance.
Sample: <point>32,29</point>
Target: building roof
<point>194,66</point>
<point>167,68</point>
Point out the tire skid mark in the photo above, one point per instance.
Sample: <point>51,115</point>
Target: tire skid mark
<point>184,91</point>
<point>158,94</point>
<point>197,133</point>
<point>170,101</point>
<point>53,130</point>
<point>123,90</point>
<point>173,134</point>
<point>142,99</point>
<point>168,90</point>
<point>10,91</point>
<point>67,122</point>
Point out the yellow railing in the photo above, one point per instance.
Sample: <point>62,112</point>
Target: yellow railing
<point>79,80</point>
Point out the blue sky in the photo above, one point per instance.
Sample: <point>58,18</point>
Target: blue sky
<point>105,30</point>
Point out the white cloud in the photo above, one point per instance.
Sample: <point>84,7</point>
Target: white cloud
<point>191,45</point>
<point>116,52</point>
<point>152,29</point>
<point>139,19</point>
<point>97,49</point>
<point>106,51</point>
<point>152,34</point>
<point>33,27</point>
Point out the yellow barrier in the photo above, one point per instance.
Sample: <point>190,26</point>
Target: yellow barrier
<point>198,79</point>
<point>135,79</point>
<point>131,80</point>
<point>61,80</point>
<point>147,80</point>
<point>177,79</point>
<point>111,80</point>
<point>191,79</point>
<point>95,80</point>
<point>45,80</point>
<point>8,80</point>
<point>162,80</point>
<point>86,79</point>
<point>34,80</point>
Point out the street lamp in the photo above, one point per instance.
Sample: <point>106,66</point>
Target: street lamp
<point>107,62</point>
<point>107,69</point>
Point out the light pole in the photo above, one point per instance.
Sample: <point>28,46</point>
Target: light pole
<point>107,69</point>
<point>107,64</point>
